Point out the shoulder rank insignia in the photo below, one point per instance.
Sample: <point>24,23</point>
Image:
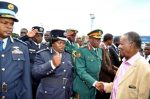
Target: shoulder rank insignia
<point>16,50</point>
<point>78,54</point>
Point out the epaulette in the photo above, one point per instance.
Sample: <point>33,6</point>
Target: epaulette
<point>20,41</point>
<point>42,50</point>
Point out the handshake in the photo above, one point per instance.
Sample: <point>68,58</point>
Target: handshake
<point>99,86</point>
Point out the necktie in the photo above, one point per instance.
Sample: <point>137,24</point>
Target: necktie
<point>96,50</point>
<point>1,45</point>
<point>117,50</point>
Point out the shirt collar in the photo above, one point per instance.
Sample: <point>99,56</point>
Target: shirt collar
<point>132,60</point>
<point>5,42</point>
<point>35,43</point>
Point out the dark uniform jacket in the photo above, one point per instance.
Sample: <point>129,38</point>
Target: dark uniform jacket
<point>15,71</point>
<point>55,83</point>
<point>33,48</point>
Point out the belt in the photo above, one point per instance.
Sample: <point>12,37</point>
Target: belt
<point>55,81</point>
<point>4,87</point>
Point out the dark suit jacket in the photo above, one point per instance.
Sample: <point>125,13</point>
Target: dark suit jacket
<point>107,73</point>
<point>114,56</point>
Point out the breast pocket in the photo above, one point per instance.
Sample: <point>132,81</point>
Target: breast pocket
<point>19,59</point>
<point>133,94</point>
<point>45,93</point>
<point>92,64</point>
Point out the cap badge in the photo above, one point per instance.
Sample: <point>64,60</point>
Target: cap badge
<point>65,34</point>
<point>41,29</point>
<point>10,6</point>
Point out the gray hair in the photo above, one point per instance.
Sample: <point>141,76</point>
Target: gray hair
<point>134,37</point>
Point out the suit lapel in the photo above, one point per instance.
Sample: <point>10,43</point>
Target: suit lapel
<point>128,73</point>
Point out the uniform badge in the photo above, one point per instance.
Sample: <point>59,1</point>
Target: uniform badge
<point>10,6</point>
<point>74,53</point>
<point>78,54</point>
<point>16,50</point>
<point>41,29</point>
<point>65,34</point>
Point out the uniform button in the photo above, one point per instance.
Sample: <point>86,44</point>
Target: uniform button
<point>45,91</point>
<point>47,73</point>
<point>3,69</point>
<point>3,97</point>
<point>3,55</point>
<point>18,58</point>
<point>63,62</point>
<point>64,70</point>
<point>64,87</point>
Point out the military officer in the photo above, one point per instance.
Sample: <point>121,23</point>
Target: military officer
<point>53,67</point>
<point>88,65</point>
<point>47,37</point>
<point>71,45</point>
<point>34,42</point>
<point>33,39</point>
<point>14,58</point>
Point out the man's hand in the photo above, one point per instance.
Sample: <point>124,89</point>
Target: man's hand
<point>56,59</point>
<point>100,86</point>
<point>32,33</point>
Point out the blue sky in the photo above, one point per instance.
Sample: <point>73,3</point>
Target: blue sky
<point>112,16</point>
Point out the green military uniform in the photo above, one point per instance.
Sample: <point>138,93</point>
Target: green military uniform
<point>87,67</point>
<point>71,48</point>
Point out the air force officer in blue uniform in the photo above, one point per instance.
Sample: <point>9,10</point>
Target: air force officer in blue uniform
<point>54,68</point>
<point>14,58</point>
